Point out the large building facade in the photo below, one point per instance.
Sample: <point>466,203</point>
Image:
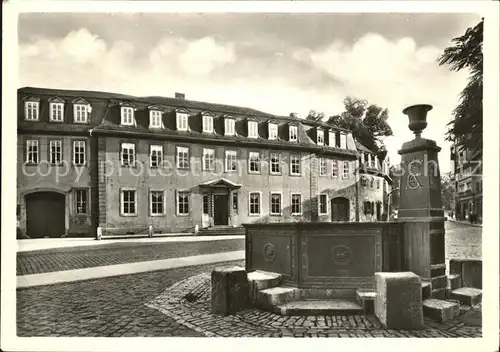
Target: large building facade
<point>466,175</point>
<point>89,159</point>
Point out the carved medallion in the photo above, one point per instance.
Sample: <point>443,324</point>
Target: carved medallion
<point>269,252</point>
<point>414,171</point>
<point>341,254</point>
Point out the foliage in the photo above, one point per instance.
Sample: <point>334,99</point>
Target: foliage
<point>466,128</point>
<point>368,123</point>
<point>315,116</point>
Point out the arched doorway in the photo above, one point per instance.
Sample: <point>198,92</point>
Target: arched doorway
<point>340,209</point>
<point>45,214</point>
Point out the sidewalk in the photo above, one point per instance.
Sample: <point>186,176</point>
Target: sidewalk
<point>124,269</point>
<point>464,222</point>
<point>52,243</point>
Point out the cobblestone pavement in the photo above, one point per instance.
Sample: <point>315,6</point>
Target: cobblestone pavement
<point>463,241</point>
<point>188,303</point>
<point>37,262</point>
<point>103,307</point>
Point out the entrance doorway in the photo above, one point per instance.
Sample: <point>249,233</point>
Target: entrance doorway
<point>340,209</point>
<point>45,214</point>
<point>221,209</point>
<point>379,211</point>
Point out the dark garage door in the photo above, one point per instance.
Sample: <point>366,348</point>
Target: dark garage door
<point>45,214</point>
<point>340,209</point>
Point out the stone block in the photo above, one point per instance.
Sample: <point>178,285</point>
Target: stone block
<point>398,304</point>
<point>439,293</point>
<point>438,270</point>
<point>367,301</point>
<point>426,290</point>
<point>454,281</point>
<point>439,282</point>
<point>467,296</point>
<point>439,310</point>
<point>471,272</point>
<point>261,280</point>
<point>230,290</point>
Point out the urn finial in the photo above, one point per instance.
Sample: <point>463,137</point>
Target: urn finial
<point>417,114</point>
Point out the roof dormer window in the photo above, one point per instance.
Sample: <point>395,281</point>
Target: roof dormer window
<point>31,109</point>
<point>293,133</point>
<point>332,139</point>
<point>127,114</point>
<point>81,110</point>
<point>208,124</point>
<point>320,140</point>
<point>155,119</point>
<point>229,126</point>
<point>343,141</point>
<point>182,121</point>
<point>56,106</point>
<point>253,127</point>
<point>273,130</point>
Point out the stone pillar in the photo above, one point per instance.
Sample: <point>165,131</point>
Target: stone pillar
<point>420,204</point>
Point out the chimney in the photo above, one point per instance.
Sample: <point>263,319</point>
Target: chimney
<point>293,114</point>
<point>180,96</point>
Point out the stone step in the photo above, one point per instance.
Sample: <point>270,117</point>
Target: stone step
<point>276,296</point>
<point>468,296</point>
<point>426,290</point>
<point>440,310</point>
<point>366,299</point>
<point>439,293</point>
<point>261,280</point>
<point>454,281</point>
<point>319,307</point>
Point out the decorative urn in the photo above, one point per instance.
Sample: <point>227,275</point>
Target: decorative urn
<point>417,114</point>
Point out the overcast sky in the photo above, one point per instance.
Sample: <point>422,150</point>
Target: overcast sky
<point>277,63</point>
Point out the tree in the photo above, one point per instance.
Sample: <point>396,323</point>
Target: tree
<point>447,192</point>
<point>368,123</point>
<point>315,116</point>
<point>466,128</point>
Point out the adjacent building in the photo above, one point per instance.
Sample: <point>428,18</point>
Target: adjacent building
<point>124,163</point>
<point>466,175</point>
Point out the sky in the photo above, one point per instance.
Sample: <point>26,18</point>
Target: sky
<point>277,63</point>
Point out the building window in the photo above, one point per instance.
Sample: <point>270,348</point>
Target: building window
<point>254,162</point>
<point>293,134</point>
<point>182,158</point>
<point>371,182</point>
<point>322,167</point>
<point>79,153</point>
<point>254,203</point>
<point>323,204</point>
<point>156,202</point>
<point>128,154</point>
<point>206,204</point>
<point>31,110</point>
<point>182,203</point>
<point>335,168</point>
<point>156,155</point>
<point>80,113</point>
<point>229,127</point>
<point>253,127</point>
<point>345,170</point>
<point>321,137</point>
<point>378,184</point>
<point>295,165</point>
<point>127,116</point>
<point>55,152</point>
<point>274,159</point>
<point>230,160</point>
<point>56,112</point>
<point>343,141</point>
<point>332,142</point>
<point>155,119</point>
<point>273,131</point>
<point>364,182</point>
<point>81,201</point>
<point>276,203</point>
<point>235,203</point>
<point>129,202</point>
<point>32,151</point>
<point>182,122</point>
<point>296,204</point>
<point>208,159</point>
<point>208,124</point>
